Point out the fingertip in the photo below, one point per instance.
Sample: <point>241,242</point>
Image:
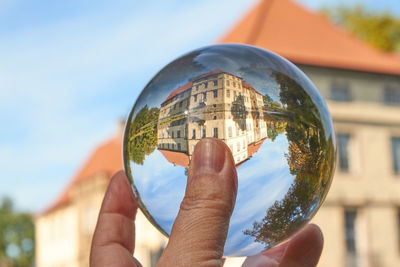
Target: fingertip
<point>305,248</point>
<point>317,234</point>
<point>212,159</point>
<point>119,197</point>
<point>115,229</point>
<point>200,229</point>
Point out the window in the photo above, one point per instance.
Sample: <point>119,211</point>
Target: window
<point>234,84</point>
<point>204,96</point>
<point>216,132</point>
<point>168,146</point>
<point>205,84</point>
<point>391,96</point>
<point>173,146</point>
<point>180,104</point>
<point>155,255</point>
<point>194,134</point>
<point>350,216</point>
<point>215,117</point>
<point>204,131</point>
<point>227,83</point>
<point>398,226</point>
<point>197,87</point>
<point>396,154</point>
<point>178,134</point>
<point>215,82</point>
<point>230,131</point>
<point>172,134</point>
<point>179,146</point>
<point>340,92</point>
<point>228,93</point>
<point>343,141</point>
<point>195,98</point>
<point>244,145</point>
<point>238,146</point>
<point>215,93</point>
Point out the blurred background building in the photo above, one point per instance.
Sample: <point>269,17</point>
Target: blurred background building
<point>64,231</point>
<point>361,215</point>
<point>360,218</point>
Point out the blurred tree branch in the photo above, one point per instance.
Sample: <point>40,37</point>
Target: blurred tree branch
<point>16,236</point>
<point>380,29</point>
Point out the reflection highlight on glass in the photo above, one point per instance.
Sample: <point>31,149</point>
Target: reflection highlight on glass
<point>269,114</point>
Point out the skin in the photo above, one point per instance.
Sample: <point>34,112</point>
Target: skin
<point>199,232</point>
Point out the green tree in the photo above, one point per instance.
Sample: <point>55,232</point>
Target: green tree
<point>267,100</point>
<point>239,112</point>
<point>270,104</point>
<point>381,30</point>
<point>275,128</point>
<point>143,134</point>
<point>310,159</point>
<point>16,236</point>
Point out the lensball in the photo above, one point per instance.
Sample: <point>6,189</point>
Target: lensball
<point>270,115</point>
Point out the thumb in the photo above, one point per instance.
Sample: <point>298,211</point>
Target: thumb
<point>199,232</point>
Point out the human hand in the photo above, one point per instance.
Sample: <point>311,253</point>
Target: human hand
<point>198,235</point>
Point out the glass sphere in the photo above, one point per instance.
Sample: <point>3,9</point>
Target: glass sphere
<point>269,114</point>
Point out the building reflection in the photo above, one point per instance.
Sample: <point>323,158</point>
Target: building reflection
<point>221,105</point>
<point>215,104</point>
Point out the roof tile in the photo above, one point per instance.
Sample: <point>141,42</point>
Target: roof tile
<point>305,37</point>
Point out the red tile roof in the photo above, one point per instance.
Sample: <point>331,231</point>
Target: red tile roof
<point>249,86</point>
<point>244,84</point>
<point>188,85</point>
<point>254,147</point>
<point>179,90</point>
<point>305,37</point>
<point>215,71</point>
<point>176,158</point>
<point>106,159</point>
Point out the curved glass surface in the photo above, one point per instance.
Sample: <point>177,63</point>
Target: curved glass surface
<point>269,114</point>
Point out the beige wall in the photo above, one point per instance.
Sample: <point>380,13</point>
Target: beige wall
<point>370,185</point>
<point>57,239</point>
<point>63,236</point>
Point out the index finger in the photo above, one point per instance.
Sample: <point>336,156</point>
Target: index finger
<point>114,238</point>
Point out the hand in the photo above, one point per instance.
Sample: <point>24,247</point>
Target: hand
<point>199,232</point>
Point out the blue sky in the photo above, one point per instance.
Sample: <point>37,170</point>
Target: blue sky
<point>69,70</point>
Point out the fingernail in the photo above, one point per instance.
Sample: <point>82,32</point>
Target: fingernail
<point>208,155</point>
